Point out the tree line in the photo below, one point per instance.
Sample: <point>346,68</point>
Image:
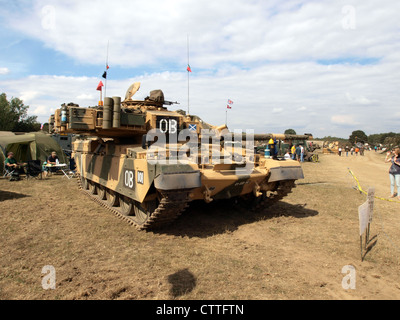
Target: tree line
<point>389,139</point>
<point>14,116</point>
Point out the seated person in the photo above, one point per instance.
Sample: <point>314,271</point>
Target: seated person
<point>51,160</point>
<point>12,165</point>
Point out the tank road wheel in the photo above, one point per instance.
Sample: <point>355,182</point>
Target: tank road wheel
<point>281,191</point>
<point>126,206</point>
<point>112,198</point>
<point>143,211</point>
<point>92,187</point>
<point>84,183</point>
<point>101,192</point>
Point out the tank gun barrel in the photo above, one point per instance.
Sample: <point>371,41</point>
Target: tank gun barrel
<point>279,136</point>
<point>170,103</point>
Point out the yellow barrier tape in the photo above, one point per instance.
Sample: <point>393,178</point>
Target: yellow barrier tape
<point>361,190</point>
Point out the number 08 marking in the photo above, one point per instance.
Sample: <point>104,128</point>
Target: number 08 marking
<point>129,179</point>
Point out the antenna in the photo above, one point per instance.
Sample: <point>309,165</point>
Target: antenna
<point>105,85</point>
<point>188,72</point>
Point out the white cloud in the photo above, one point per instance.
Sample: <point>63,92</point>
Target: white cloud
<point>41,110</point>
<point>344,120</point>
<point>84,96</point>
<point>277,110</point>
<point>358,100</point>
<point>221,31</point>
<point>4,71</point>
<point>28,96</point>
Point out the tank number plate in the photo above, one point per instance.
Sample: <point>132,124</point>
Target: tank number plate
<point>129,179</point>
<point>140,177</point>
<point>168,125</point>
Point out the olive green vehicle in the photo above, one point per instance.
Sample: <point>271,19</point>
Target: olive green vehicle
<point>124,165</point>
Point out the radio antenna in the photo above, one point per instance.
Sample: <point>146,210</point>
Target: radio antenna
<point>189,70</point>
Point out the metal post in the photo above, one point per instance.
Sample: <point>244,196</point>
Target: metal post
<point>361,247</point>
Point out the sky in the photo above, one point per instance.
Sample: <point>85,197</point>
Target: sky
<point>321,67</point>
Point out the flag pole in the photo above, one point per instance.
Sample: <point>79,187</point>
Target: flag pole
<point>226,118</point>
<point>105,85</point>
<point>188,73</point>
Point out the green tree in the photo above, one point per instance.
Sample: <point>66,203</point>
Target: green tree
<point>45,127</point>
<point>14,116</point>
<point>358,136</point>
<point>5,114</point>
<point>290,131</point>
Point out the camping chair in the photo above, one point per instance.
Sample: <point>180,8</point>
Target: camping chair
<point>72,168</point>
<point>7,173</point>
<point>34,169</point>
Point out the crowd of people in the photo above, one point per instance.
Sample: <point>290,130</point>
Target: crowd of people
<point>352,151</point>
<point>295,153</point>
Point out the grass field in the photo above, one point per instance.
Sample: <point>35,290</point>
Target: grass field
<point>295,249</point>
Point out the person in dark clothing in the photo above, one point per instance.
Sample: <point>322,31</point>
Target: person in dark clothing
<point>298,153</point>
<point>11,165</point>
<point>394,171</point>
<point>51,160</point>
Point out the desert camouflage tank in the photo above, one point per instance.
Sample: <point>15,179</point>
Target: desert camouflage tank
<point>146,163</point>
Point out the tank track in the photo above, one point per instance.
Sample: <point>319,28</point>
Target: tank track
<point>171,206</point>
<point>283,189</point>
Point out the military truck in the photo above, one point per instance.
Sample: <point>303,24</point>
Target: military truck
<point>146,163</point>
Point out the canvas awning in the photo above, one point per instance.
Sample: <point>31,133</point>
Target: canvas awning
<point>29,146</point>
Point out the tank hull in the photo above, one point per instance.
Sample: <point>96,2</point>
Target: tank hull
<point>121,178</point>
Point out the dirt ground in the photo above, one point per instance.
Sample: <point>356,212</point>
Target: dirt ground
<point>296,249</point>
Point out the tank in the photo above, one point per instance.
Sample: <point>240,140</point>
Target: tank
<point>146,163</point>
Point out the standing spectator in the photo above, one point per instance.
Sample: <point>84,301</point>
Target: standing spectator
<point>357,150</point>
<point>347,151</point>
<point>352,150</point>
<point>293,150</point>
<point>301,153</point>
<point>394,171</point>
<point>298,153</point>
<point>340,151</point>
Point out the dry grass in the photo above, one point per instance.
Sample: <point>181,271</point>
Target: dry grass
<point>295,250</point>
